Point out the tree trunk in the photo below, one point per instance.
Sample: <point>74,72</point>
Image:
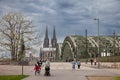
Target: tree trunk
<point>13,56</point>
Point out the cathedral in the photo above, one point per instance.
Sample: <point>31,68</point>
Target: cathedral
<point>49,48</point>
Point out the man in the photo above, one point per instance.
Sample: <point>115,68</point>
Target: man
<point>47,68</point>
<point>78,64</point>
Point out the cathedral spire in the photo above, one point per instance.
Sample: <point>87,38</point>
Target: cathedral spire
<point>54,33</point>
<point>54,40</point>
<point>46,33</point>
<point>46,39</point>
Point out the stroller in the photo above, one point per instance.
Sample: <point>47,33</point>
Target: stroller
<point>47,71</point>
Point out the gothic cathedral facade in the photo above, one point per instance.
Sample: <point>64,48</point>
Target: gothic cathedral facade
<point>49,49</point>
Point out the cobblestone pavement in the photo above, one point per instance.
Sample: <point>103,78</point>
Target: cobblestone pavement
<point>59,71</point>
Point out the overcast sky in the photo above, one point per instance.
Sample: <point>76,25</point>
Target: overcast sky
<point>69,16</point>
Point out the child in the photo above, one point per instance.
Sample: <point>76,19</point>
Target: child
<point>36,68</point>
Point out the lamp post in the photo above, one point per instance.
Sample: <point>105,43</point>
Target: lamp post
<point>98,42</point>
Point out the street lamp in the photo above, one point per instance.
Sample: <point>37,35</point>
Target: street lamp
<point>98,42</point>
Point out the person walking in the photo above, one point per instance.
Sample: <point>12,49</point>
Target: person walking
<point>41,62</point>
<point>78,64</point>
<point>91,61</point>
<point>73,64</point>
<point>95,61</point>
<point>47,68</point>
<point>36,68</point>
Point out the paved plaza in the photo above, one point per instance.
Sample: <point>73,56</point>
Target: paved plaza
<point>60,71</point>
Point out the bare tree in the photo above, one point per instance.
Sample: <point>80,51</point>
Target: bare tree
<point>12,27</point>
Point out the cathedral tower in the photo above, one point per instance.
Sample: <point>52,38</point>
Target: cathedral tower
<point>54,40</point>
<point>46,39</point>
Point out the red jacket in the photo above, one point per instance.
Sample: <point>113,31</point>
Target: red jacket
<point>36,68</point>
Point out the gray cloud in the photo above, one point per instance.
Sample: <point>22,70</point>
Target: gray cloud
<point>69,17</point>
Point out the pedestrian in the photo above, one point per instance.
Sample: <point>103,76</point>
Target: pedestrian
<point>95,61</point>
<point>47,68</point>
<point>73,64</point>
<point>41,62</point>
<point>78,64</point>
<point>36,68</point>
<point>91,62</point>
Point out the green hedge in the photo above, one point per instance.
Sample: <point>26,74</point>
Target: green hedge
<point>110,59</point>
<point>105,59</point>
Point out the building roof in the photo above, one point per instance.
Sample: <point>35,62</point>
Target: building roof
<point>48,49</point>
